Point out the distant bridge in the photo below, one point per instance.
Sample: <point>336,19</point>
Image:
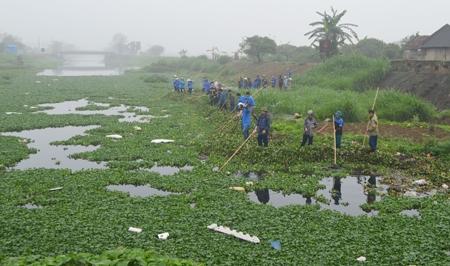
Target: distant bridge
<point>86,52</point>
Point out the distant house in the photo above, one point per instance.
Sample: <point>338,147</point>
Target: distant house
<point>433,47</point>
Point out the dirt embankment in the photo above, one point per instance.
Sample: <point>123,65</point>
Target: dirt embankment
<point>433,87</point>
<point>251,70</point>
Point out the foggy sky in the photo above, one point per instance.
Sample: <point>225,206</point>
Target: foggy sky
<point>198,25</point>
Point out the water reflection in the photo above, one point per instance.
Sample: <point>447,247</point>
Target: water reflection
<point>69,107</point>
<point>262,195</point>
<point>84,65</point>
<point>141,191</point>
<point>345,195</point>
<point>56,157</point>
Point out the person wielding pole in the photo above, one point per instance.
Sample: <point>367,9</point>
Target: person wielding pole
<point>309,125</point>
<point>263,127</point>
<point>338,125</point>
<point>373,130</point>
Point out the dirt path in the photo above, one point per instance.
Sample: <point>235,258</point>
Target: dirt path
<point>250,69</point>
<point>414,133</point>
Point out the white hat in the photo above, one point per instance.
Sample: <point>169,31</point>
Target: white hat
<point>240,104</point>
<point>310,112</point>
<point>189,80</point>
<point>290,78</point>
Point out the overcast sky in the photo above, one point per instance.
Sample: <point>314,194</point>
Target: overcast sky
<point>198,25</point>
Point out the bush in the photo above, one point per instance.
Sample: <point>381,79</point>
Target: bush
<point>155,78</point>
<point>224,59</point>
<point>353,72</point>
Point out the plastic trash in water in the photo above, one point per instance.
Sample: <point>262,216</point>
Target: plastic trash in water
<point>249,183</point>
<point>238,188</point>
<point>228,231</point>
<point>420,182</point>
<point>276,244</point>
<point>362,258</point>
<point>134,229</point>
<point>444,186</point>
<point>162,141</point>
<point>56,188</point>
<point>115,136</point>
<point>137,128</point>
<point>163,235</point>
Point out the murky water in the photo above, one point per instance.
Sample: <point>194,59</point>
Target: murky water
<point>69,107</point>
<point>345,195</point>
<point>84,65</point>
<point>141,191</point>
<point>168,170</point>
<point>56,157</point>
<point>32,206</point>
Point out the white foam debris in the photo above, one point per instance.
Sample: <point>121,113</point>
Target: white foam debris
<point>37,81</point>
<point>444,186</point>
<point>362,258</point>
<point>115,136</point>
<point>163,235</point>
<point>137,128</point>
<point>13,113</point>
<point>162,141</point>
<point>420,182</point>
<point>411,194</point>
<point>56,188</point>
<point>228,231</point>
<point>134,229</point>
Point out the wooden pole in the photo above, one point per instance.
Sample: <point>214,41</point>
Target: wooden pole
<point>237,150</point>
<point>368,123</point>
<point>334,134</point>
<point>322,128</point>
<point>224,126</point>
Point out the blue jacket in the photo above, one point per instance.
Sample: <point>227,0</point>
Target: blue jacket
<point>190,84</point>
<point>288,74</point>
<point>249,100</point>
<point>203,84</point>
<point>338,124</point>
<point>207,84</point>
<point>223,96</point>
<point>246,121</point>
<point>274,81</point>
<point>182,84</point>
<point>242,99</point>
<point>176,84</point>
<point>263,124</point>
<point>258,81</point>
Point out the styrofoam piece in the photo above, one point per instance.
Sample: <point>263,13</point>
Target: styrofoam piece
<point>115,136</point>
<point>228,231</point>
<point>249,183</point>
<point>13,113</point>
<point>362,258</point>
<point>162,141</point>
<point>134,229</point>
<point>37,81</point>
<point>444,186</point>
<point>56,188</point>
<point>420,182</point>
<point>163,235</point>
<point>137,128</point>
<point>238,188</point>
<point>25,106</point>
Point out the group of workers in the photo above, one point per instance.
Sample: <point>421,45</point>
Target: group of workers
<point>179,84</point>
<point>246,110</point>
<point>283,82</point>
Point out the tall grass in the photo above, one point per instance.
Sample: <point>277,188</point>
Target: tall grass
<point>353,72</point>
<point>174,65</point>
<point>390,105</point>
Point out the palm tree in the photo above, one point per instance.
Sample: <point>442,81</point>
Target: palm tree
<point>329,29</point>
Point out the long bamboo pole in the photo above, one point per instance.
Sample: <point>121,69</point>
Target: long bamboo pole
<point>237,150</point>
<point>368,123</point>
<point>319,131</point>
<point>334,135</point>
